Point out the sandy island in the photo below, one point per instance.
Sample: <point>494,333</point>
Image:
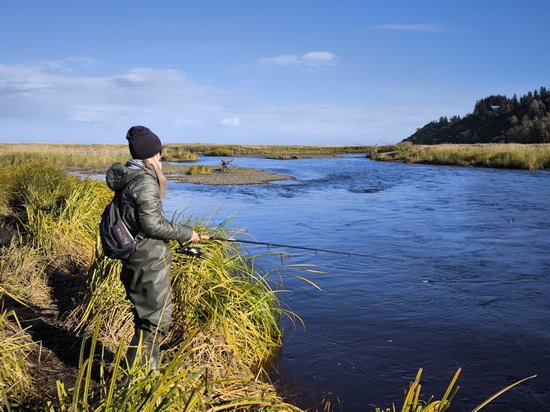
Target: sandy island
<point>236,176</point>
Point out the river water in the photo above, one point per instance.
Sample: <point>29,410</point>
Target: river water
<point>469,286</point>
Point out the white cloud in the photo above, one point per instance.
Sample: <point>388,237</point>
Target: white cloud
<point>282,60</point>
<point>37,104</point>
<point>320,57</point>
<point>309,60</point>
<point>430,28</point>
<point>230,121</point>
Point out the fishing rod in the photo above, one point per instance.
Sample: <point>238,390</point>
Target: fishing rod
<point>197,251</point>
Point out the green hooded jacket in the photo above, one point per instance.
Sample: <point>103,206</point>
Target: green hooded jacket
<point>142,208</point>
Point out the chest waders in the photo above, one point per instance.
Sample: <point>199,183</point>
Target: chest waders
<point>146,278</point>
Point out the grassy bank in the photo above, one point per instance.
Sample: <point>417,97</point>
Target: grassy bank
<point>98,157</point>
<point>87,159</point>
<point>226,316</point>
<point>276,152</point>
<point>507,156</point>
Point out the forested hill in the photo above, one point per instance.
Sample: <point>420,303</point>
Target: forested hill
<point>495,119</point>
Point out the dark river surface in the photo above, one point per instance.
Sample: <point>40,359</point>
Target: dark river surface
<point>470,287</point>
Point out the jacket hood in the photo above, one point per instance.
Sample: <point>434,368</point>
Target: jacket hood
<point>120,175</point>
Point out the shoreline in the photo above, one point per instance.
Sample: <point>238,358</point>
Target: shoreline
<point>227,312</point>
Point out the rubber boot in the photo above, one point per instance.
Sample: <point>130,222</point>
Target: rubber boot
<point>145,354</point>
<point>133,350</point>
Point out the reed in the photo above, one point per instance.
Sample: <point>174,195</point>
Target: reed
<point>177,388</point>
<point>509,156</point>
<point>414,403</point>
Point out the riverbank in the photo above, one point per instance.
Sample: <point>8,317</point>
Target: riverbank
<point>63,310</point>
<point>96,159</point>
<point>506,156</point>
<point>268,151</point>
<point>102,155</point>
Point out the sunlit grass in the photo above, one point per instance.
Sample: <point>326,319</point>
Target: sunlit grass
<point>23,275</point>
<point>511,156</point>
<point>56,213</point>
<point>99,157</point>
<point>15,346</point>
<point>185,384</point>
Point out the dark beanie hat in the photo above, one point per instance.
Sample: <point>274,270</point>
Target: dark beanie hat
<point>143,143</point>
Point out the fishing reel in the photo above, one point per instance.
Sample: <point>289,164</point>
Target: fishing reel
<point>193,251</point>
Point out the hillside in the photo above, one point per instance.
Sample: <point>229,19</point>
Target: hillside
<point>495,119</point>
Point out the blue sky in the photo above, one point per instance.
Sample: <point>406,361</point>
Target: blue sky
<point>260,72</point>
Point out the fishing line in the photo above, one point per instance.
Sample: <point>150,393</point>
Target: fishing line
<point>197,252</point>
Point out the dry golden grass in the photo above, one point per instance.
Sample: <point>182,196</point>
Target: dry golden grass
<point>23,275</point>
<point>509,156</point>
<point>15,347</point>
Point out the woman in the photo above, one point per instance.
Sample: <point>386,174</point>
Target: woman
<point>146,273</point>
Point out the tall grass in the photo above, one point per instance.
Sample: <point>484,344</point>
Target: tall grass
<point>23,275</point>
<point>510,156</point>
<point>177,388</point>
<point>58,213</point>
<point>15,346</point>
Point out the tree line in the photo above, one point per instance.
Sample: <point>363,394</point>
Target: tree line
<point>495,119</point>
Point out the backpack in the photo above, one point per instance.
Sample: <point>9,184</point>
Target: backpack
<point>116,239</point>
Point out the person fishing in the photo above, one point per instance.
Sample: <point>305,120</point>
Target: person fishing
<point>145,274</point>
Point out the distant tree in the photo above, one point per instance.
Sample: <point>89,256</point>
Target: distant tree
<point>495,118</point>
<point>536,108</point>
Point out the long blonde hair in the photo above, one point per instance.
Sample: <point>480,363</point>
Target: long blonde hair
<point>161,179</point>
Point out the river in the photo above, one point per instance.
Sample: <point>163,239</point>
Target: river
<point>469,286</point>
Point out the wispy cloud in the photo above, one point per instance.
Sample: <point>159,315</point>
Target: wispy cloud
<point>38,105</point>
<point>427,28</point>
<point>230,122</point>
<point>309,60</point>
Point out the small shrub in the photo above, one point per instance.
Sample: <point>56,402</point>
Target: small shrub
<point>178,154</point>
<point>200,170</point>
<point>220,152</point>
